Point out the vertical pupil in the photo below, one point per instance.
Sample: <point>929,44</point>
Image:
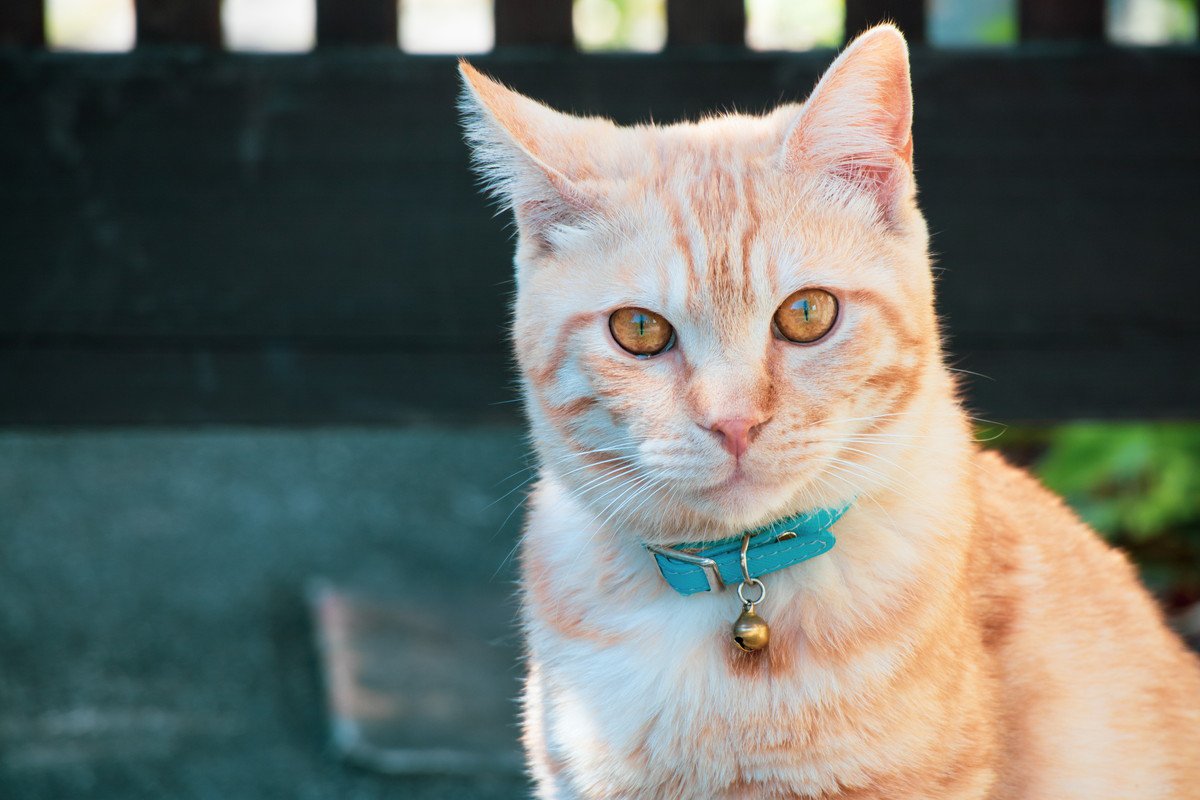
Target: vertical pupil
<point>640,319</point>
<point>804,307</point>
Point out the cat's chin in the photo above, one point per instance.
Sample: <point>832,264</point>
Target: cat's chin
<point>739,486</point>
<point>742,501</point>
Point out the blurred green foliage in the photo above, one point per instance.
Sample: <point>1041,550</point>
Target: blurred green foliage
<point>997,30</point>
<point>620,24</point>
<point>1182,20</point>
<point>1138,484</point>
<point>1135,480</point>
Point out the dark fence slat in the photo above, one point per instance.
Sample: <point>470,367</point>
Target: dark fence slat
<point>250,386</point>
<point>543,23</point>
<point>266,239</point>
<point>1061,19</point>
<point>704,22</point>
<point>195,22</point>
<point>22,23</point>
<point>908,15</point>
<point>357,22</point>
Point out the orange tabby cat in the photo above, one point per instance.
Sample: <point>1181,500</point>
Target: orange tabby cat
<point>725,323</point>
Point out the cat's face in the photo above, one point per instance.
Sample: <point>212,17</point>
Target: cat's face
<point>718,322</point>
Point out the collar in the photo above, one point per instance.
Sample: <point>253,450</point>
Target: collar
<point>707,566</point>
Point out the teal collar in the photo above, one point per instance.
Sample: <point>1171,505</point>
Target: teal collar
<point>707,566</point>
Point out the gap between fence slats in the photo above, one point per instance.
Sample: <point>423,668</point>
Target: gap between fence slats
<point>196,22</point>
<point>534,23</point>
<point>1081,20</point>
<point>357,22</point>
<point>908,15</point>
<point>706,22</point>
<point>21,23</point>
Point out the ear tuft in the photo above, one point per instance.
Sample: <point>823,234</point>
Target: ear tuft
<point>524,152</point>
<point>857,124</point>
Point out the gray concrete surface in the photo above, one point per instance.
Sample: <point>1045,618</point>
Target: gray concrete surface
<point>154,640</point>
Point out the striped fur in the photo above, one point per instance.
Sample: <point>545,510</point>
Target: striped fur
<point>967,638</point>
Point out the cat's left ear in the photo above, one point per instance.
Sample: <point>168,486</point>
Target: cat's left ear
<point>531,157</point>
<point>856,126</point>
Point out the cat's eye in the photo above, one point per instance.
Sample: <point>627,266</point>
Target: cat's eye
<point>641,332</point>
<point>806,315</point>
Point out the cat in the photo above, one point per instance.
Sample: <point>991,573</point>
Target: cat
<point>722,324</point>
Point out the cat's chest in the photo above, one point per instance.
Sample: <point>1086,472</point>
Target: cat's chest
<point>636,691</point>
<point>669,697</point>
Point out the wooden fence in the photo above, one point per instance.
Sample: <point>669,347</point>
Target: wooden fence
<point>545,23</point>
<point>189,235</point>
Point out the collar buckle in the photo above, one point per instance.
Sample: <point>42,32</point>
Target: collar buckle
<point>689,568</point>
<point>708,566</point>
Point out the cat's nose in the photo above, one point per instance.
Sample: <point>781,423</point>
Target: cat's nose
<point>736,433</point>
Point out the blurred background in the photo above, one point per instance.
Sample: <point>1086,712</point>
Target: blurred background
<point>259,441</point>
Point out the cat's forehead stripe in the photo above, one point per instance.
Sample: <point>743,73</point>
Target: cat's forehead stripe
<point>682,241</point>
<point>725,223</point>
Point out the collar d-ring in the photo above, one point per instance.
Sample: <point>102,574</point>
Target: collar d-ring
<point>742,558</point>
<point>747,580</point>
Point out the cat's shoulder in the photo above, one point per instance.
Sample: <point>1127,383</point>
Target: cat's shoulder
<point>1027,534</point>
<point>1007,495</point>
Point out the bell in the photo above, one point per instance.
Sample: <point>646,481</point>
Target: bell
<point>751,632</point>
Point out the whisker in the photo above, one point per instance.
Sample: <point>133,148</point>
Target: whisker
<point>864,473</point>
<point>630,485</point>
<point>871,418</point>
<point>658,483</point>
<point>602,480</point>
<point>880,457</point>
<point>593,464</point>
<point>520,485</point>
<point>970,372</point>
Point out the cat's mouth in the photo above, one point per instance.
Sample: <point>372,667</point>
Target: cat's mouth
<point>741,480</point>
<point>738,478</point>
<point>745,492</point>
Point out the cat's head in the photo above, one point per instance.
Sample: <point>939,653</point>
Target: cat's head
<point>716,321</point>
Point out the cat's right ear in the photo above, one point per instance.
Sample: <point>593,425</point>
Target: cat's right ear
<point>528,155</point>
<point>856,126</point>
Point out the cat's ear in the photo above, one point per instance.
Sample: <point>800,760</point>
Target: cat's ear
<point>529,155</point>
<point>856,126</point>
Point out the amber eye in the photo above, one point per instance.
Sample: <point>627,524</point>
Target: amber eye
<point>641,332</point>
<point>807,315</point>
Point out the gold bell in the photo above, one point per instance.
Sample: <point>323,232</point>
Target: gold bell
<point>750,631</point>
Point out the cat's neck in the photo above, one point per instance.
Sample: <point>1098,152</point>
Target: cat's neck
<point>909,528</point>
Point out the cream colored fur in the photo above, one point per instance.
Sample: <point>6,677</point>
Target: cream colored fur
<point>967,637</point>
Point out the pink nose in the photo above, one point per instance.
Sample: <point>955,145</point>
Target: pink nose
<point>735,434</point>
